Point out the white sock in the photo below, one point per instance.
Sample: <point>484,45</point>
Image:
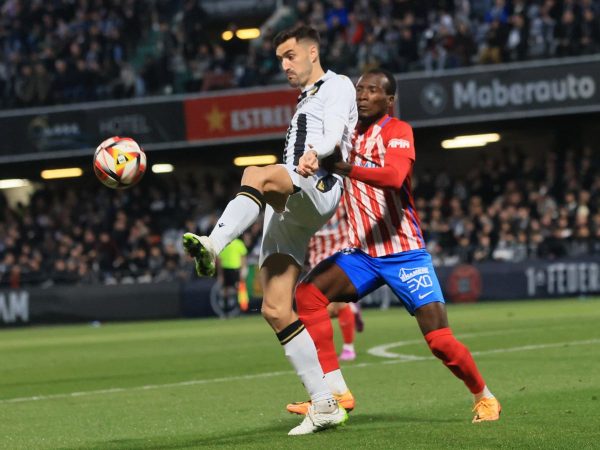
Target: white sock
<point>335,381</point>
<point>240,213</point>
<point>349,347</point>
<point>485,393</point>
<point>302,353</point>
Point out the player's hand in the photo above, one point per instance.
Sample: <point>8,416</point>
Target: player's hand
<point>335,163</point>
<point>342,168</point>
<point>308,163</point>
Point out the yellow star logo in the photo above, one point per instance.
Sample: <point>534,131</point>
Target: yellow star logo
<point>215,119</point>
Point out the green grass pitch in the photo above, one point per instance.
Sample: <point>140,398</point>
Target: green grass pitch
<point>189,384</point>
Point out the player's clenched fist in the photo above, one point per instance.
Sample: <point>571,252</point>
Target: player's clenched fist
<point>308,163</point>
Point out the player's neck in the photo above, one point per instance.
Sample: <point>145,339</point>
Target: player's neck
<point>364,124</point>
<point>315,76</point>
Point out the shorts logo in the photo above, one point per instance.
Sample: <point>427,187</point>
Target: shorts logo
<point>416,278</point>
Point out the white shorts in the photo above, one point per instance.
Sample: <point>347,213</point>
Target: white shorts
<point>306,211</point>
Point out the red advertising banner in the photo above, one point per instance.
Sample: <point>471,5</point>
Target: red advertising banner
<point>239,115</point>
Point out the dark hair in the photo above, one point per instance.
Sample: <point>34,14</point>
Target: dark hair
<point>298,32</point>
<point>390,88</point>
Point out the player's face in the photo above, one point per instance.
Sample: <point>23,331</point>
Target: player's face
<point>297,60</point>
<point>371,98</point>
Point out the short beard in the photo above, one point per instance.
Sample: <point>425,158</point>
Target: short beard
<point>305,75</point>
<point>366,121</point>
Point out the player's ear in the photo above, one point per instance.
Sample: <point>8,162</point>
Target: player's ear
<point>391,100</point>
<point>313,51</point>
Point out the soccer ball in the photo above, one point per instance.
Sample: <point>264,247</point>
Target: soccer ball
<point>119,162</point>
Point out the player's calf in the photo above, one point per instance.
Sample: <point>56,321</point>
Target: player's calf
<point>457,357</point>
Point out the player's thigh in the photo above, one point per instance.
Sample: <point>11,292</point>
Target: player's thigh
<point>324,193</point>
<point>345,276</point>
<point>332,281</point>
<point>273,181</point>
<point>412,278</point>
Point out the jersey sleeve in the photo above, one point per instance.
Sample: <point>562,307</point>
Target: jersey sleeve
<point>339,98</point>
<point>400,139</point>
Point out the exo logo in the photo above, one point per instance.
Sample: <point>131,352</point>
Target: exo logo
<point>416,278</point>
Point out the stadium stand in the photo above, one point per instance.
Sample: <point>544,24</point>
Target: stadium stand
<point>531,209</point>
<point>64,51</point>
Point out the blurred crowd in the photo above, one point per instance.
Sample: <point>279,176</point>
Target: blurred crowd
<point>508,208</point>
<point>61,51</point>
<point>513,208</point>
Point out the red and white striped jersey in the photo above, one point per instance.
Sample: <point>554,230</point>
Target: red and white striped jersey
<point>332,237</point>
<point>382,221</point>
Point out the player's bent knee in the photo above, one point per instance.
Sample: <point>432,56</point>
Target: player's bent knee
<point>444,345</point>
<point>309,299</point>
<point>251,176</point>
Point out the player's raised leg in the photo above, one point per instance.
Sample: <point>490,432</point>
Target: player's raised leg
<point>279,274</point>
<point>433,321</point>
<point>259,185</point>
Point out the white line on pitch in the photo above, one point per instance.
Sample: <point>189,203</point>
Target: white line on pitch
<point>275,374</point>
<point>382,351</point>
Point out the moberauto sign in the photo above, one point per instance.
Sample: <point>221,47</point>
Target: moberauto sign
<point>540,88</point>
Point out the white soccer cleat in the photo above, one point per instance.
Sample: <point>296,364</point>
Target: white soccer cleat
<point>318,421</point>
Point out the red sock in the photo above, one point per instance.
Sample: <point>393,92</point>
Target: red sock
<point>456,357</point>
<point>312,310</point>
<point>347,323</point>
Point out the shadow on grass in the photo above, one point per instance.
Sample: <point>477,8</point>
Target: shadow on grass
<point>257,437</point>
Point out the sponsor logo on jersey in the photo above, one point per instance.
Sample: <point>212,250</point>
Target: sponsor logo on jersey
<point>399,143</point>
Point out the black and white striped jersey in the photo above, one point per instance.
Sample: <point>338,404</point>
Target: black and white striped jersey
<point>331,100</point>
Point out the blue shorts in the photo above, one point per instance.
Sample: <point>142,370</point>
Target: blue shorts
<point>409,274</point>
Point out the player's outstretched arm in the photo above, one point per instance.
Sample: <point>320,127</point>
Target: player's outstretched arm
<point>390,176</point>
<point>398,161</point>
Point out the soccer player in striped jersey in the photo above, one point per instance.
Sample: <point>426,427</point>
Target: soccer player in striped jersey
<point>299,197</point>
<point>388,246</point>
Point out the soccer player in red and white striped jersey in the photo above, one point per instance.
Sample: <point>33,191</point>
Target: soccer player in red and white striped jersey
<point>388,246</point>
<point>380,205</point>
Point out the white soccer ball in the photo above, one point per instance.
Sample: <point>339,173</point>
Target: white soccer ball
<point>119,162</point>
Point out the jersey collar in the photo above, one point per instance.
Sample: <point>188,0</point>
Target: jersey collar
<point>380,123</point>
<point>314,88</point>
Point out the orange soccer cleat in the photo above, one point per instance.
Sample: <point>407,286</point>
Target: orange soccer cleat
<point>487,409</point>
<point>301,408</point>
